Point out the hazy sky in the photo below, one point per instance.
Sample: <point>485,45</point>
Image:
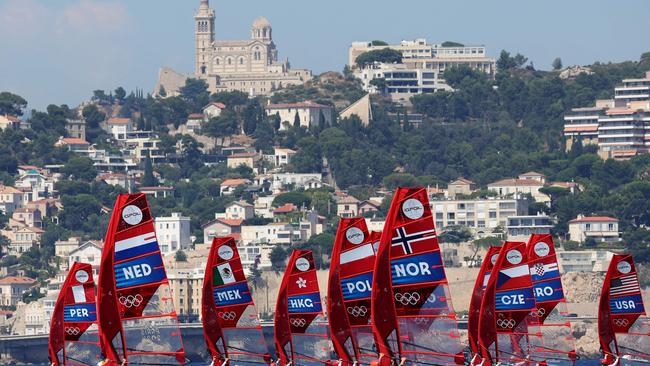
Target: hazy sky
<point>58,51</point>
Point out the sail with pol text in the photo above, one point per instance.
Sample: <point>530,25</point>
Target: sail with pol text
<point>74,337</point>
<point>349,293</point>
<point>301,331</point>
<point>477,297</point>
<point>413,319</point>
<point>230,323</point>
<point>623,327</point>
<point>558,344</point>
<point>508,331</point>
<point>137,320</point>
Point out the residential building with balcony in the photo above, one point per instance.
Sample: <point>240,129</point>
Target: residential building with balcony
<point>582,125</point>
<point>598,228</point>
<point>583,260</point>
<point>632,90</point>
<point>481,215</point>
<point>622,132</point>
<point>12,289</point>
<point>520,228</point>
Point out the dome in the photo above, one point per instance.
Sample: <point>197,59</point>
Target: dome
<point>261,22</point>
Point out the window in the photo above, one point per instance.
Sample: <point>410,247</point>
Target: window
<point>493,214</point>
<point>451,216</point>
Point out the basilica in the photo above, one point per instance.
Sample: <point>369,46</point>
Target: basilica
<point>250,65</point>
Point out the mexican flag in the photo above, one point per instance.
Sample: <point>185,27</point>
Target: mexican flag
<point>222,275</point>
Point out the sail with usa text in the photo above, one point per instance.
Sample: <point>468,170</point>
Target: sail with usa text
<point>137,320</point>
<point>230,322</point>
<point>301,331</point>
<point>74,337</point>
<point>558,343</point>
<point>413,319</point>
<point>623,327</point>
<point>508,332</point>
<point>349,293</point>
<point>476,299</point>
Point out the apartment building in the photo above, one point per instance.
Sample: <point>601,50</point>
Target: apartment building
<point>582,125</point>
<point>186,286</point>
<point>598,228</point>
<point>173,233</point>
<point>12,289</point>
<point>520,228</point>
<point>623,132</point>
<point>632,90</point>
<point>584,260</point>
<point>482,215</point>
<point>308,113</point>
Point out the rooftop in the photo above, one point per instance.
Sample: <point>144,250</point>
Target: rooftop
<point>242,155</point>
<point>593,219</point>
<point>516,182</point>
<point>118,121</point>
<point>216,104</point>
<point>13,280</point>
<point>234,182</point>
<point>286,208</point>
<point>307,104</point>
<point>73,141</point>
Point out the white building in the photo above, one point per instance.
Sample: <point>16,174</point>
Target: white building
<point>281,157</point>
<point>274,234</point>
<point>632,90</point>
<point>481,215</point>
<point>173,233</point>
<point>400,81</point>
<point>89,252</point>
<point>309,113</point>
<point>520,228</point>
<point>10,199</point>
<point>527,183</point>
<point>296,180</point>
<point>599,228</point>
<point>213,110</point>
<point>584,260</point>
<point>119,127</point>
<point>239,210</point>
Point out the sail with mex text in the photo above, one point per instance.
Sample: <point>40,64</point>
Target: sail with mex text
<point>137,321</point>
<point>349,293</point>
<point>301,331</point>
<point>413,319</point>
<point>508,331</point>
<point>623,327</point>
<point>74,337</point>
<point>558,343</point>
<point>230,322</point>
<point>476,299</point>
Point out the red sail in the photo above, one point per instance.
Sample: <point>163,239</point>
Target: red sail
<point>74,339</point>
<point>507,330</point>
<point>349,292</point>
<point>551,309</point>
<point>477,297</point>
<point>412,316</point>
<point>623,326</point>
<point>230,323</point>
<point>301,336</point>
<point>137,320</point>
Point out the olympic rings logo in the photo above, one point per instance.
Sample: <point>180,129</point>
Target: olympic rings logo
<point>131,301</point>
<point>420,321</point>
<point>621,322</point>
<point>227,315</point>
<point>357,311</point>
<point>538,313</point>
<point>506,323</point>
<point>72,330</point>
<point>298,322</point>
<point>408,298</point>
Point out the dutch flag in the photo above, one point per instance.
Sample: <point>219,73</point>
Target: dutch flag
<point>136,246</point>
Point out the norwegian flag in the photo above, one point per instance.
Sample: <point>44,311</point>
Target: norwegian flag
<point>415,237</point>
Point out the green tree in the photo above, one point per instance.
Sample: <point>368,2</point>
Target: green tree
<point>452,44</point>
<point>12,104</point>
<point>296,120</point>
<point>507,62</point>
<point>395,180</point>
<point>148,179</point>
<point>80,168</point>
<point>180,256</point>
<point>195,92</point>
<point>385,55</point>
<point>296,197</point>
<point>557,63</point>
<point>278,258</point>
<point>93,117</point>
<point>120,94</point>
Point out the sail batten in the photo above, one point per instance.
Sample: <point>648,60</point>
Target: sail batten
<point>137,318</point>
<point>477,297</point>
<point>413,318</point>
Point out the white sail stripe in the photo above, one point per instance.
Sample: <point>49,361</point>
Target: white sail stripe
<point>518,271</point>
<point>79,294</point>
<point>624,288</point>
<point>135,241</point>
<point>356,254</point>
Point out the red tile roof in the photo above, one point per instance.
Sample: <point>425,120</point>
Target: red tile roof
<point>195,116</point>
<point>307,104</point>
<point>216,104</point>
<point>594,219</point>
<point>287,208</point>
<point>516,182</point>
<point>243,155</point>
<point>74,141</point>
<point>12,280</point>
<point>230,222</point>
<point>118,121</point>
<point>234,182</point>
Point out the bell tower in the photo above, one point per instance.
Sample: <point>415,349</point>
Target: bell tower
<point>204,35</point>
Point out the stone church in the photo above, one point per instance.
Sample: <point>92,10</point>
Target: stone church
<point>250,65</point>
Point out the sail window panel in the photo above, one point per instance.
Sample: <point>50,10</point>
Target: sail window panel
<point>152,335</point>
<point>82,353</point>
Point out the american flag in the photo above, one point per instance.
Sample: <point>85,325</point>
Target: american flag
<point>624,285</point>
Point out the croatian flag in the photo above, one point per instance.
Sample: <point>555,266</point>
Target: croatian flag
<point>513,277</point>
<point>541,271</point>
<point>136,246</point>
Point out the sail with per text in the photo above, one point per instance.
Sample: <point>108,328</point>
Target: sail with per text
<point>74,337</point>
<point>623,327</point>
<point>413,319</point>
<point>349,293</point>
<point>230,322</point>
<point>137,320</point>
<point>558,344</point>
<point>301,331</point>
